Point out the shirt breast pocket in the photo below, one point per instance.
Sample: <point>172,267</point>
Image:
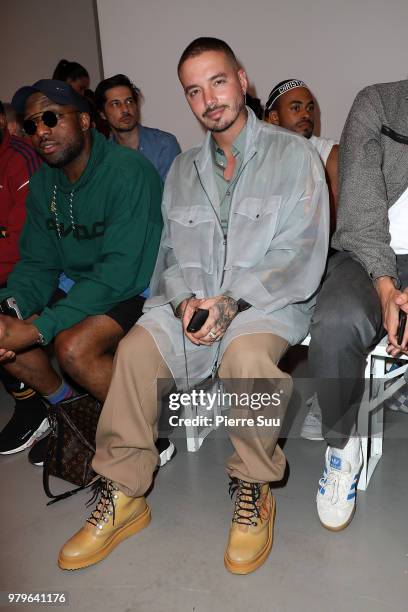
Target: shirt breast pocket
<point>191,235</point>
<point>253,227</point>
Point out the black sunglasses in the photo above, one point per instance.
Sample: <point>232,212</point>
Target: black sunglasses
<point>48,118</point>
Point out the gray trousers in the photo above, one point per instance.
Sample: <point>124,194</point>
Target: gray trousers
<point>346,326</point>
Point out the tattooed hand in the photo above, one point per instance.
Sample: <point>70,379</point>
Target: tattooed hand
<point>222,311</point>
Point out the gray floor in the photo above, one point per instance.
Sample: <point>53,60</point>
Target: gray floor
<point>176,564</point>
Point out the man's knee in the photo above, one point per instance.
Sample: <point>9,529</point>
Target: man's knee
<point>344,317</point>
<point>70,351</point>
<point>245,358</point>
<point>90,340</point>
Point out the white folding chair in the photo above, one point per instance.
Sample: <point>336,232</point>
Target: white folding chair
<point>381,387</point>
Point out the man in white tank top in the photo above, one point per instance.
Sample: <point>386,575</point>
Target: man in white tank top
<point>291,105</point>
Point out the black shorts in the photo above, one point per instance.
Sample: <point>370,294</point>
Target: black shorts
<point>125,313</point>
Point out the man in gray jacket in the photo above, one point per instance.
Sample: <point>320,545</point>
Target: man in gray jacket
<point>245,237</point>
<point>366,283</point>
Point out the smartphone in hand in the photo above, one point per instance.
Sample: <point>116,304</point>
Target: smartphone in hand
<point>402,321</point>
<point>197,320</point>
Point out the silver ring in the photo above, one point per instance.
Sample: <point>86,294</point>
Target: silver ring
<point>212,335</point>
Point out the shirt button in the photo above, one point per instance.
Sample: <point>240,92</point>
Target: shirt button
<point>190,221</point>
<point>228,193</point>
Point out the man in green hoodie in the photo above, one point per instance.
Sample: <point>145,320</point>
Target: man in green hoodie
<point>93,212</point>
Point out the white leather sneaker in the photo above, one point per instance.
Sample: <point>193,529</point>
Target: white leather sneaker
<point>336,496</point>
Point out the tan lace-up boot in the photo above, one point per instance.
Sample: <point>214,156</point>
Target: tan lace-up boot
<point>251,533</point>
<point>115,518</point>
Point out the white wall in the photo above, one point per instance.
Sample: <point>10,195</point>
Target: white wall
<point>35,35</point>
<point>336,47</point>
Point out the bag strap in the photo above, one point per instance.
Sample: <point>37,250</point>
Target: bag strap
<point>57,498</point>
<point>46,474</point>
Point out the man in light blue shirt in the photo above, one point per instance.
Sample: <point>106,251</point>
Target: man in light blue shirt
<point>117,99</point>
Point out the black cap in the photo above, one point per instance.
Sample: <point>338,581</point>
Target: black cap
<point>57,91</point>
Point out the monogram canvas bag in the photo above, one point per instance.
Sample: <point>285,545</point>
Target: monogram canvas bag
<point>71,445</point>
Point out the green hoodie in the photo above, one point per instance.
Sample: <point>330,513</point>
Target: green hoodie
<point>108,245</point>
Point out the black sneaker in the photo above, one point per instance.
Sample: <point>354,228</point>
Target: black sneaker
<point>38,451</point>
<point>29,422</point>
<point>166,450</point>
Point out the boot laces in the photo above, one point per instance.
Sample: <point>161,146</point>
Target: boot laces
<point>246,502</point>
<point>106,491</point>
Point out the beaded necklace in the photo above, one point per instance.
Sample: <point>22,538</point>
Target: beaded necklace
<point>53,209</point>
